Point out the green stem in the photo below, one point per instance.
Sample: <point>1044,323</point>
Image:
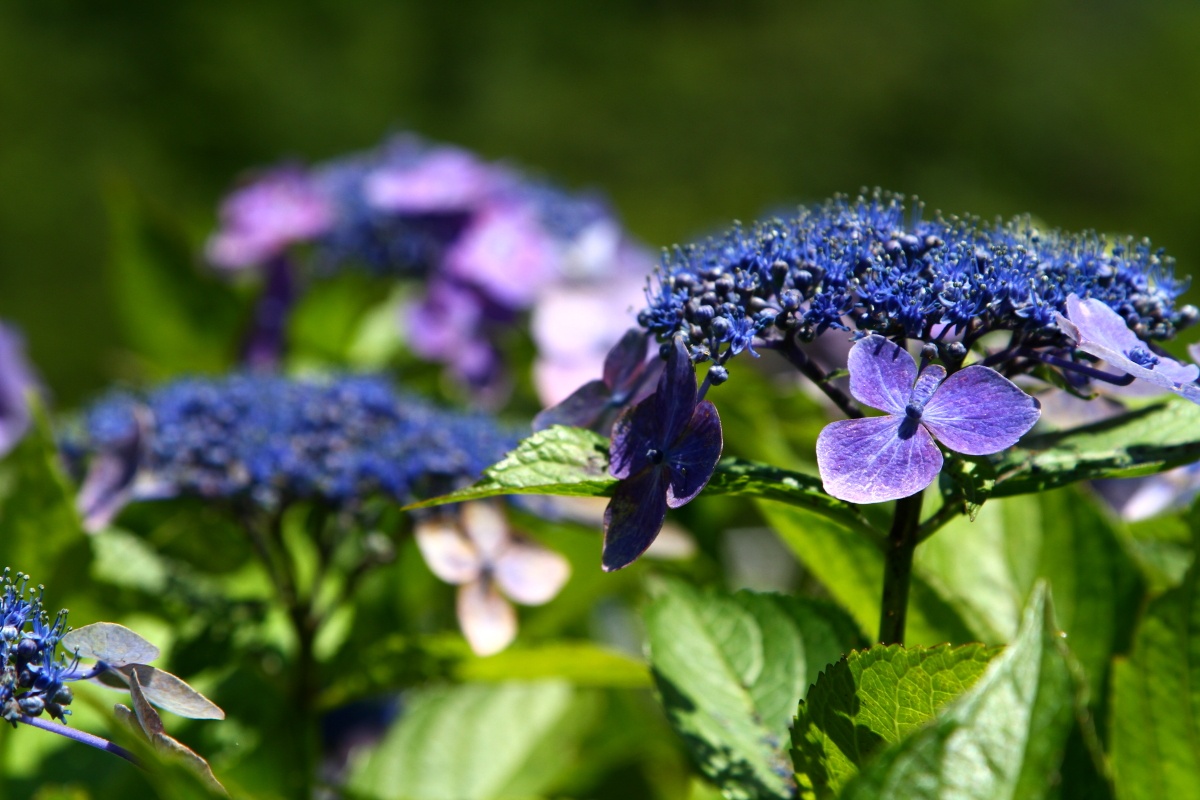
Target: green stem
<point>897,571</point>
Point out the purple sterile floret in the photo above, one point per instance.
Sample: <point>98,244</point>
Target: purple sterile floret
<point>1101,332</point>
<point>975,411</point>
<point>664,451</point>
<point>627,377</point>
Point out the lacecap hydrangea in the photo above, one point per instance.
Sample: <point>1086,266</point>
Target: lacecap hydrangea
<point>269,440</point>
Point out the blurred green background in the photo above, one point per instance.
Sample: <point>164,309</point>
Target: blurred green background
<point>687,114</point>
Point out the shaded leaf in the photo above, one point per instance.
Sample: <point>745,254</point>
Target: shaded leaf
<point>872,699</point>
<point>111,643</point>
<point>730,670</point>
<point>850,565</point>
<point>1156,700</point>
<point>475,742</point>
<point>1003,738</point>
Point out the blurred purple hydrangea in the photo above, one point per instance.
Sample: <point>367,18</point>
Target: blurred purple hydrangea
<point>491,244</point>
<point>975,411</point>
<point>16,382</point>
<point>268,441</point>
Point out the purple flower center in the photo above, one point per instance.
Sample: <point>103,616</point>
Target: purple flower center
<point>655,455</point>
<point>1142,357</point>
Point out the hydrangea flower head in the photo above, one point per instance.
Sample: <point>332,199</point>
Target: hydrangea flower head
<point>663,452</point>
<point>975,411</point>
<point>267,441</point>
<point>1101,332</point>
<point>476,551</point>
<point>876,265</point>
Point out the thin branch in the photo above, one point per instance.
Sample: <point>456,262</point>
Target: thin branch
<point>89,739</point>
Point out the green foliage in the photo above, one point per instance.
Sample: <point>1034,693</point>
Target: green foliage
<point>850,566</point>
<point>1004,737</point>
<point>730,670</point>
<point>476,742</point>
<point>175,319</point>
<point>872,699</point>
<point>1141,442</point>
<point>1156,700</point>
<point>38,522</point>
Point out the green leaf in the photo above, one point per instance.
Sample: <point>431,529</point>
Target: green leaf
<point>38,521</point>
<point>475,742</point>
<point>1003,738</point>
<point>1156,700</point>
<point>174,316</point>
<point>850,565</point>
<point>170,693</point>
<point>871,699</point>
<point>574,462</point>
<point>1141,442</point>
<point>580,663</point>
<point>987,569</point>
<point>730,670</point>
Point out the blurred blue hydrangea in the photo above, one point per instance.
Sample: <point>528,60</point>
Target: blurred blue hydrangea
<point>269,440</point>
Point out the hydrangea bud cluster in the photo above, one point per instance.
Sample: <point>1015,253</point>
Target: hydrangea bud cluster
<point>490,242</point>
<point>269,440</point>
<point>876,265</point>
<point>33,674</point>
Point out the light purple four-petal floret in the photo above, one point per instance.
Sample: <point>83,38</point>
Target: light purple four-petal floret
<point>975,411</point>
<point>1099,331</point>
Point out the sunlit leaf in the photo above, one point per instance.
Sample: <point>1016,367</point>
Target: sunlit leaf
<point>872,699</point>
<point>1004,737</point>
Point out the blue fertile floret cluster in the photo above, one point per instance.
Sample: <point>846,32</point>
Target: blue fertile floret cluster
<point>270,440</point>
<point>875,265</point>
<point>32,674</point>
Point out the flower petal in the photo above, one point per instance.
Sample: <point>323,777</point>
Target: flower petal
<point>881,374</point>
<point>978,411</point>
<point>624,360</point>
<point>634,433</point>
<point>694,456</point>
<point>1101,332</point>
<point>486,526</point>
<point>634,517</point>
<point>486,618</point>
<point>447,551</point>
<point>582,409</point>
<point>675,399</point>
<point>531,574</point>
<point>867,460</point>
